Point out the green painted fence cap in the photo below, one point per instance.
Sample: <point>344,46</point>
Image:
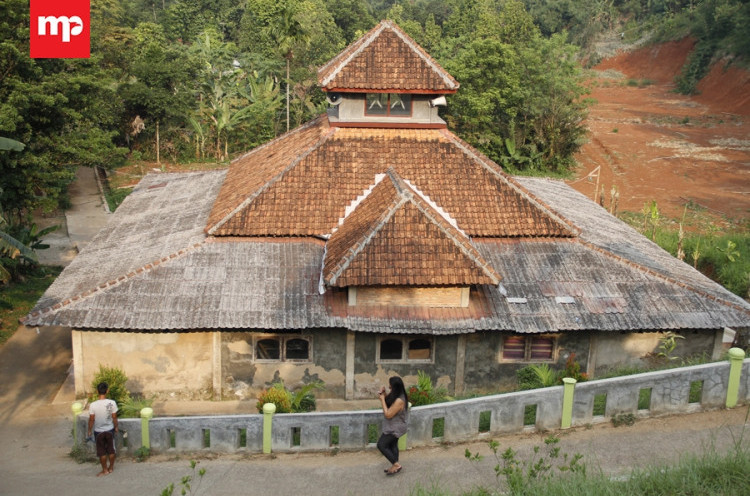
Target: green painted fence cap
<point>736,353</point>
<point>569,380</point>
<point>147,413</point>
<point>77,407</point>
<point>269,408</point>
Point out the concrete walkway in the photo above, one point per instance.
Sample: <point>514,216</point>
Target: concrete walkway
<point>79,224</point>
<point>36,422</point>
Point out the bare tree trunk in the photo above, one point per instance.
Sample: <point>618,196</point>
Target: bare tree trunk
<point>157,142</point>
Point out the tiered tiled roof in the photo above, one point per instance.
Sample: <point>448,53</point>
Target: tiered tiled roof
<point>395,237</point>
<point>246,248</point>
<point>385,59</point>
<point>184,280</point>
<point>301,183</point>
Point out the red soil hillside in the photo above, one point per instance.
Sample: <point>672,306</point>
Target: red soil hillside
<point>654,144</point>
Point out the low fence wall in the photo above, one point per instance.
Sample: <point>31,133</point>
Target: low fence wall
<point>669,392</point>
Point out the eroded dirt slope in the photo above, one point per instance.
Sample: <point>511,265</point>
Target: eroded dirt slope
<point>654,144</point>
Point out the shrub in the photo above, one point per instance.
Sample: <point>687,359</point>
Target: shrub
<point>304,400</point>
<point>115,379</point>
<point>573,370</point>
<point>131,406</point>
<point>278,395</point>
<point>527,379</point>
<point>423,393</point>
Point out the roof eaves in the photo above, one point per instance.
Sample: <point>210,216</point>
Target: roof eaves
<point>654,273</point>
<point>112,282</point>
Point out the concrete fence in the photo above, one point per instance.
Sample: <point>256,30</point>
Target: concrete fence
<point>679,390</point>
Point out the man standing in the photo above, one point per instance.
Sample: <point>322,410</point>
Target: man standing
<point>103,420</point>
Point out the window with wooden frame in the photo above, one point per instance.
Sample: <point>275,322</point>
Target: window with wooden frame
<point>528,348</point>
<point>388,104</point>
<point>405,349</point>
<point>292,348</point>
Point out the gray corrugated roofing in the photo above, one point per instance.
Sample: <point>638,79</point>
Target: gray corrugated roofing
<point>153,268</point>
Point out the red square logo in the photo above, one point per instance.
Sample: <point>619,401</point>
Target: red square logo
<point>60,29</point>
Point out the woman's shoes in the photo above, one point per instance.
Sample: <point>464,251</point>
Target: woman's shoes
<point>394,472</point>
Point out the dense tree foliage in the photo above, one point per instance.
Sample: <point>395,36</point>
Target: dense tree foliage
<point>203,80</point>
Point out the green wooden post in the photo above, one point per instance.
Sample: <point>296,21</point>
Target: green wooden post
<point>402,439</point>
<point>146,415</point>
<point>268,410</point>
<point>569,385</point>
<point>77,408</point>
<point>736,356</point>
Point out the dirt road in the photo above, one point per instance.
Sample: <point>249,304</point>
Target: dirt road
<point>652,144</point>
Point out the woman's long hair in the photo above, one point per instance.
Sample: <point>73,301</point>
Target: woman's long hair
<point>397,391</point>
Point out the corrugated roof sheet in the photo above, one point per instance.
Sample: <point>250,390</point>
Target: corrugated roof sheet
<point>385,58</point>
<point>619,281</point>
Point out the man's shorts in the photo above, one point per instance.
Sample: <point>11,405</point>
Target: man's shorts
<point>105,443</point>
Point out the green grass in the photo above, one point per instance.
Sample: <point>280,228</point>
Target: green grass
<point>116,196</point>
<point>707,473</point>
<point>724,258</point>
<point>17,298</point>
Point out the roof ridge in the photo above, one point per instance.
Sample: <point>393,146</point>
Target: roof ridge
<point>358,200</point>
<point>435,214</point>
<point>452,83</point>
<point>440,210</point>
<point>356,248</point>
<point>659,275</point>
<point>510,182</point>
<point>365,42</point>
<point>426,206</point>
<point>338,63</point>
<point>115,282</point>
<point>299,158</point>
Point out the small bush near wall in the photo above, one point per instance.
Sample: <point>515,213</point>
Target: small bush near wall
<point>423,393</point>
<point>115,379</point>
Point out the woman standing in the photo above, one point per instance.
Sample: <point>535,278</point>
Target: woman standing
<point>396,411</point>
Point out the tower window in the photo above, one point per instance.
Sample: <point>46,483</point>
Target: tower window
<point>388,104</point>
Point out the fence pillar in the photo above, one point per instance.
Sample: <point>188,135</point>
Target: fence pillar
<point>268,410</point>
<point>569,385</point>
<point>736,356</point>
<point>146,415</point>
<point>77,408</point>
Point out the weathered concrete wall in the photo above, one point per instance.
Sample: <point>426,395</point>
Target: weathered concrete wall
<point>153,362</point>
<point>244,377</point>
<point>192,364</point>
<point>616,350</point>
<point>670,394</point>
<point>370,376</point>
<point>485,370</point>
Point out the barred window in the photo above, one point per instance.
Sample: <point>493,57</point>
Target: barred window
<point>405,349</point>
<point>283,348</point>
<point>528,348</point>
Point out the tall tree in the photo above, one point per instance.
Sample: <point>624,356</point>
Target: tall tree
<point>288,33</point>
<point>65,111</point>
